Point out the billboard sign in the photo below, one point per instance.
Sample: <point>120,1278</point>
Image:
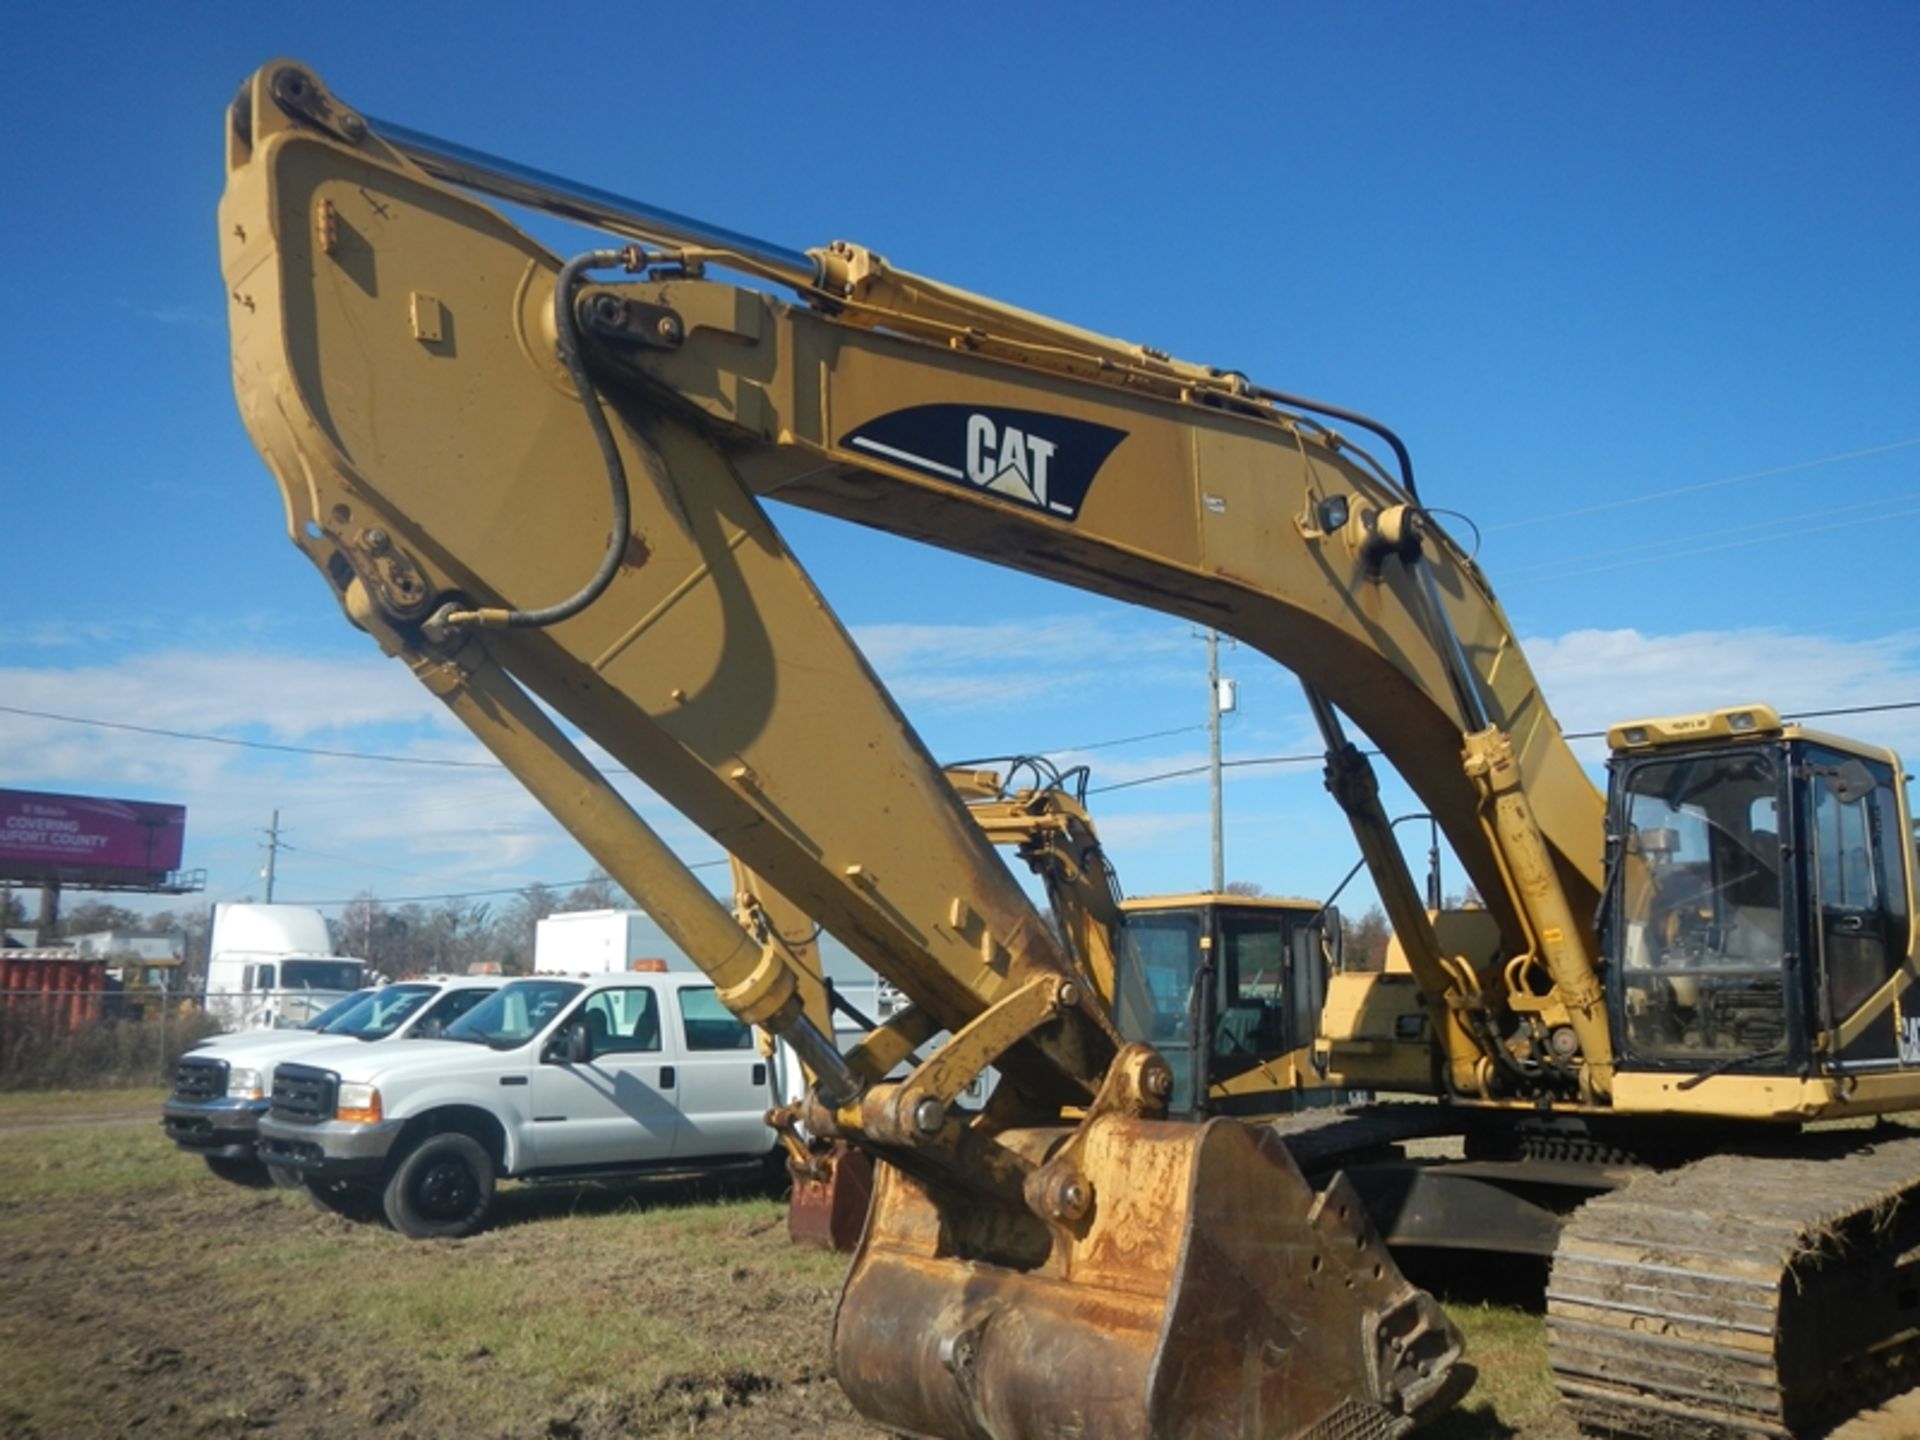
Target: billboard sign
<point>82,838</point>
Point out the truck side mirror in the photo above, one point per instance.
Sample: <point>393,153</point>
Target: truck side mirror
<point>573,1045</point>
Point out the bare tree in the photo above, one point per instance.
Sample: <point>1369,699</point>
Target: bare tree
<point>515,930</point>
<point>1364,940</point>
<point>597,892</point>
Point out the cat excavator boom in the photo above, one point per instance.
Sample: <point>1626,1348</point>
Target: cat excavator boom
<point>539,482</point>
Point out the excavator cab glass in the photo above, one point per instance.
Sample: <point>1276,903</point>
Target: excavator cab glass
<point>1160,1008</point>
<point>1224,985</point>
<point>1857,900</point>
<point>1700,903</point>
<point>1730,862</point>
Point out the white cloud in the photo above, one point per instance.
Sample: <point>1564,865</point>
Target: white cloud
<point>289,697</point>
<point>352,824</point>
<point>1594,678</point>
<point>1006,664</point>
<point>193,317</point>
<point>402,829</point>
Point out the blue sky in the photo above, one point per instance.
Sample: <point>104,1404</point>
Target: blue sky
<point>1634,281</point>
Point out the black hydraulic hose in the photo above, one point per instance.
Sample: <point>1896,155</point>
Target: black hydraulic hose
<point>567,344</point>
<point>1352,417</point>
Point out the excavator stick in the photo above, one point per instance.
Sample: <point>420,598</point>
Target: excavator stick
<point>1206,1291</point>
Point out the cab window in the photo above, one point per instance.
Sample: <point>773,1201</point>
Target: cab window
<point>1859,894</point>
<point>709,1025</point>
<point>623,1022</point>
<point>1700,909</point>
<point>1251,1024</point>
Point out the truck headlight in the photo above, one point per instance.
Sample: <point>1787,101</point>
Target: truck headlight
<point>359,1103</point>
<point>245,1084</point>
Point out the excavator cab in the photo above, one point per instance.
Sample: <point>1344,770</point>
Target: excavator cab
<point>1229,991</point>
<point>1758,905</point>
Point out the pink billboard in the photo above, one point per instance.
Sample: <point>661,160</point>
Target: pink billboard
<point>74,836</point>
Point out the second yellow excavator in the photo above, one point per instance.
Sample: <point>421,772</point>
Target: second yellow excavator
<point>539,483</point>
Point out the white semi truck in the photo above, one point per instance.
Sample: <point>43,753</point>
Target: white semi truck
<point>272,967</point>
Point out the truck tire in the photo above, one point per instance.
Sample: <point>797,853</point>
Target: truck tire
<point>349,1199</point>
<point>284,1177</point>
<point>248,1172</point>
<point>441,1189</point>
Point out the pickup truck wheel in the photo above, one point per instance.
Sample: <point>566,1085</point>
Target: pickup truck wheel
<point>248,1172</point>
<point>284,1177</point>
<point>442,1188</point>
<point>348,1199</point>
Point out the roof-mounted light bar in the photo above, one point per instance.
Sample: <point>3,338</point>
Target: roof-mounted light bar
<point>1733,722</point>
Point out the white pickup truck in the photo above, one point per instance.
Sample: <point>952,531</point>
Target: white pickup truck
<point>220,1087</point>
<point>550,1078</point>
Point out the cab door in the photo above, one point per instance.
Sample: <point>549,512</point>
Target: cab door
<point>724,1088</point>
<point>1162,979</point>
<point>1269,986</point>
<point>1858,905</point>
<point>618,1106</point>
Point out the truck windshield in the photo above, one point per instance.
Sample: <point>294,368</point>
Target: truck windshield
<point>513,1015</point>
<point>319,974</point>
<point>382,1012</point>
<point>335,1011</point>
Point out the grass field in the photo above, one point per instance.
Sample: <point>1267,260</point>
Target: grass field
<point>145,1297</point>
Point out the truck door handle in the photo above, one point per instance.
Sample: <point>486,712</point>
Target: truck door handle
<point>759,1074</point>
<point>666,1077</point>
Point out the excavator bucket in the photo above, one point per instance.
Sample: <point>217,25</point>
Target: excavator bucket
<point>828,1208</point>
<point>1207,1290</point>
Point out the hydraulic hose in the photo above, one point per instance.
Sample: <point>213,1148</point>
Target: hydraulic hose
<point>567,344</point>
<point>1352,417</point>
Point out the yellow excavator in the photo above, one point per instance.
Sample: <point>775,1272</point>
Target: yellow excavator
<point>540,483</point>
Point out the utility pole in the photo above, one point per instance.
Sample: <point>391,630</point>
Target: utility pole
<point>273,854</point>
<point>1213,760</point>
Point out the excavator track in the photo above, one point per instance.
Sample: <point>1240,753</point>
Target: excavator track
<point>1743,1295</point>
<point>1325,1139</point>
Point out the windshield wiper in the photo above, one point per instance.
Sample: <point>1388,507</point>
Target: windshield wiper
<point>1720,1067</point>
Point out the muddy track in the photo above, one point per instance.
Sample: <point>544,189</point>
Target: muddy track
<point>27,1120</point>
<point>1740,1296</point>
<point>106,1310</point>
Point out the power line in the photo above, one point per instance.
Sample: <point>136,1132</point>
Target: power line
<point>1664,549</point>
<point>240,744</point>
<point>204,738</point>
<point>1187,772</point>
<point>1123,740</point>
<point>1750,475</point>
<point>1254,762</point>
<point>519,889</point>
<point>1565,574</point>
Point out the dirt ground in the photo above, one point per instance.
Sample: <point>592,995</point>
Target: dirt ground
<point>142,1297</point>
<point>138,1353</point>
<point>190,1307</point>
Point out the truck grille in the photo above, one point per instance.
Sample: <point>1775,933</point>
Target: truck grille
<point>303,1094</point>
<point>199,1078</point>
